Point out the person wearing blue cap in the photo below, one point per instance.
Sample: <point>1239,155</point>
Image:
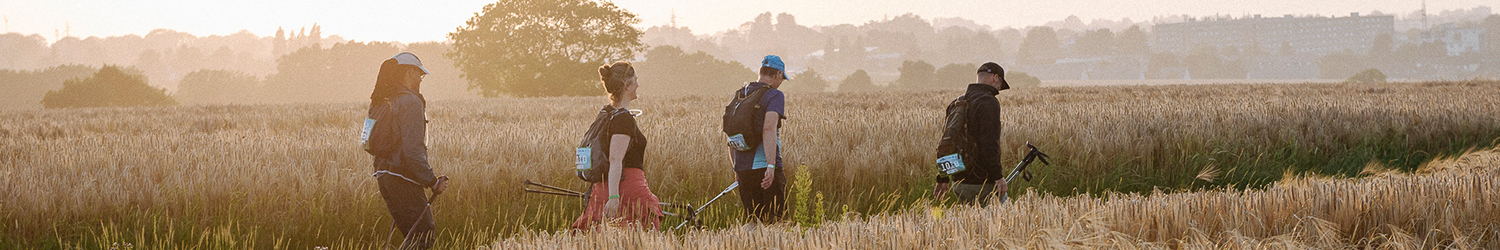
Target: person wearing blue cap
<point>396,134</point>
<point>751,122</point>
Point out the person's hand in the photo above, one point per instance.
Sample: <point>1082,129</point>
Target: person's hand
<point>442,185</point>
<point>1000,188</point>
<point>612,208</point>
<point>770,177</point>
<point>940,191</point>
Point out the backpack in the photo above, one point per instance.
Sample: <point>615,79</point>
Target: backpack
<point>592,165</point>
<point>380,136</point>
<point>956,142</point>
<point>743,118</point>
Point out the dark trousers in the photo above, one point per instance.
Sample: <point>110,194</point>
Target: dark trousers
<point>767,205</point>
<point>968,194</point>
<point>408,202</point>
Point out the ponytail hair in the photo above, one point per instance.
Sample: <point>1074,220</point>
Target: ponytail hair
<point>613,76</point>
<point>388,81</point>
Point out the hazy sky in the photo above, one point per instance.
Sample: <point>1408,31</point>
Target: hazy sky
<point>415,21</point>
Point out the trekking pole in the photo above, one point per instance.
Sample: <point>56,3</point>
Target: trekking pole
<point>414,224</point>
<point>387,244</point>
<point>1020,169</point>
<point>430,200</point>
<point>697,223</point>
<point>552,190</point>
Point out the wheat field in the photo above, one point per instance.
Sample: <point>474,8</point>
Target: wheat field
<point>292,176</point>
<point>1451,204</point>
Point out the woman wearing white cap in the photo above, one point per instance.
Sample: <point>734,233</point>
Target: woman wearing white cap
<point>397,135</point>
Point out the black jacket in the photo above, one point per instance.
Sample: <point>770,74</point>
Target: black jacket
<point>984,128</point>
<point>410,159</point>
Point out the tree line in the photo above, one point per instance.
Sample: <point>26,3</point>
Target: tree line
<point>550,48</point>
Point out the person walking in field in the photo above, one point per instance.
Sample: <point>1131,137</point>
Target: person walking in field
<point>969,153</point>
<point>625,198</point>
<point>751,121</point>
<point>396,136</point>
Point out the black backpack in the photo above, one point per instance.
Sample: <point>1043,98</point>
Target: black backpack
<point>954,148</point>
<point>743,118</point>
<point>592,162</point>
<point>380,136</point>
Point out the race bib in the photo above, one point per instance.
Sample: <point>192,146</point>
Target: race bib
<point>585,158</point>
<point>950,164</point>
<point>364,136</point>
<point>737,142</point>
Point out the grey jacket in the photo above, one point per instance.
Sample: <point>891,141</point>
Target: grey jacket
<point>409,161</point>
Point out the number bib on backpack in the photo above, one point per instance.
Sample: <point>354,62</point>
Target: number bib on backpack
<point>737,142</point>
<point>585,157</point>
<point>951,164</point>
<point>364,136</point>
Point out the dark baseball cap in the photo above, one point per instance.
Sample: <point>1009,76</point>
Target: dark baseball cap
<point>994,68</point>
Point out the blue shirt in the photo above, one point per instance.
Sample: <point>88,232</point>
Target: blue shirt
<point>774,101</point>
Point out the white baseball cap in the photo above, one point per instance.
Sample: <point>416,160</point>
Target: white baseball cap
<point>407,58</point>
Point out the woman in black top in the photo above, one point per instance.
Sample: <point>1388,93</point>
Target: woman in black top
<point>624,194</point>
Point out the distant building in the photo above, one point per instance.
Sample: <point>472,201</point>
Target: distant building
<point>1456,40</point>
<point>1305,35</point>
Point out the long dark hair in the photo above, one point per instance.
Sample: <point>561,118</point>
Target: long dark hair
<point>389,81</point>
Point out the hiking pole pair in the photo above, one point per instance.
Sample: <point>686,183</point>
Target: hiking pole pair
<point>689,216</point>
<point>413,227</point>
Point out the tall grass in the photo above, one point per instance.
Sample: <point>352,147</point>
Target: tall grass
<point>1458,207</point>
<point>292,176</point>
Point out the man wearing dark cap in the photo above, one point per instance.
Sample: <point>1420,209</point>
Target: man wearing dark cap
<point>983,174</point>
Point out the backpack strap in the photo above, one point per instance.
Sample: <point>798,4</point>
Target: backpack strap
<point>616,113</point>
<point>966,99</point>
<point>755,96</point>
<point>609,120</point>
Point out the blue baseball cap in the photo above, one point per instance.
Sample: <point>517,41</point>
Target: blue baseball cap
<point>774,62</point>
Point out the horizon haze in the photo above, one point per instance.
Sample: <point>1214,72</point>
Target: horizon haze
<point>402,22</point>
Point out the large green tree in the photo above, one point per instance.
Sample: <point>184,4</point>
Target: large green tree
<point>531,48</point>
<point>110,87</point>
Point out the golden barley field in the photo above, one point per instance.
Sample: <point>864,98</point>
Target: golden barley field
<point>1133,166</point>
<point>1450,204</point>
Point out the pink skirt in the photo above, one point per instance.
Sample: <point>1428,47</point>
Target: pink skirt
<point>638,206</point>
